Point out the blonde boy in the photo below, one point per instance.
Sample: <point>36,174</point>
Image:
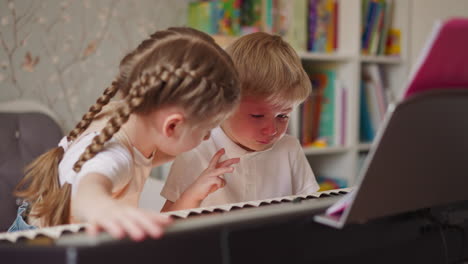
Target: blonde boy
<point>270,163</point>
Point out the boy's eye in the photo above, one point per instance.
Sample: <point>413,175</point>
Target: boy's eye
<point>256,116</point>
<point>283,116</point>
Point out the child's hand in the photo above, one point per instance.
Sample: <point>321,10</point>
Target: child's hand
<point>94,205</point>
<point>122,220</point>
<point>210,179</point>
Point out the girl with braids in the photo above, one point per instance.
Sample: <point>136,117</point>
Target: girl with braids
<point>174,88</point>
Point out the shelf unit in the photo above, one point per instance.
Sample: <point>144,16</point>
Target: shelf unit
<point>344,162</point>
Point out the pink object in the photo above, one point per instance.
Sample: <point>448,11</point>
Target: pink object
<point>443,62</point>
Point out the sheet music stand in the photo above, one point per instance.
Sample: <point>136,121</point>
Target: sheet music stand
<point>419,160</point>
<point>420,156</point>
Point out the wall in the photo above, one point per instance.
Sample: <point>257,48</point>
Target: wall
<point>64,53</point>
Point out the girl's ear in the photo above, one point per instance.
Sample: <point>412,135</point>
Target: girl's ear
<point>172,125</point>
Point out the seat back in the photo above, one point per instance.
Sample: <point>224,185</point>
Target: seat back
<point>23,137</point>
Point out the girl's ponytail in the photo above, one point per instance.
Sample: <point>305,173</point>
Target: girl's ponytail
<point>41,186</point>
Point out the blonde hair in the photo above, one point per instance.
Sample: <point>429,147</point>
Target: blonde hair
<point>177,66</point>
<point>269,67</point>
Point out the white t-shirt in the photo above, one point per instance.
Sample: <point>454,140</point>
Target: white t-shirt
<point>123,164</point>
<point>115,161</point>
<point>279,171</point>
<point>126,167</point>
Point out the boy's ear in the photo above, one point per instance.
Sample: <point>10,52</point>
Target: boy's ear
<point>172,124</point>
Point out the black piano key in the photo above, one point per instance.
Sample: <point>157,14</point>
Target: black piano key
<point>191,214</point>
<point>66,232</point>
<point>297,200</point>
<point>343,192</point>
<point>40,240</point>
<point>324,195</point>
<point>248,206</point>
<point>235,208</point>
<point>176,217</point>
<point>5,242</point>
<point>22,239</point>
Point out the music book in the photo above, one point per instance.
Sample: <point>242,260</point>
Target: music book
<point>400,173</point>
<point>443,62</point>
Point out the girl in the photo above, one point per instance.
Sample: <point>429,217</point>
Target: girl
<point>175,87</point>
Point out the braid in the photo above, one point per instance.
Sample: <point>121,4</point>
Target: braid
<point>157,74</point>
<point>134,100</point>
<point>87,118</point>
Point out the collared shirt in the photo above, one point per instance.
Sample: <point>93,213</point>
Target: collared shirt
<point>279,171</point>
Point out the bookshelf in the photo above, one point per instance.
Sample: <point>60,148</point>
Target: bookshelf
<point>343,161</point>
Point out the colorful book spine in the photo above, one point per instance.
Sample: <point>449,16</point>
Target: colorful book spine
<point>386,27</point>
<point>367,31</point>
<point>312,24</point>
<point>366,132</point>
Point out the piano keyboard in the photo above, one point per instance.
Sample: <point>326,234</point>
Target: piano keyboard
<point>226,213</point>
<point>258,203</point>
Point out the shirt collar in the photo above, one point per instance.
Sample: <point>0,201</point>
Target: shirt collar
<point>140,159</point>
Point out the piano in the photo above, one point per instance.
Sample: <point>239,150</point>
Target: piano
<point>414,210</point>
<point>279,230</point>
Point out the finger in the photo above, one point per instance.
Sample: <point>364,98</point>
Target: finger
<point>113,228</point>
<point>228,162</point>
<point>149,225</point>
<point>220,171</point>
<point>92,229</point>
<point>132,228</point>
<point>164,220</point>
<point>216,158</point>
<point>218,182</point>
<point>221,182</point>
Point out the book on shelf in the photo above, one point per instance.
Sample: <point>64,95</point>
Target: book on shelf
<point>322,26</point>
<point>296,24</point>
<point>374,101</point>
<point>376,27</point>
<point>366,130</point>
<point>308,25</point>
<point>203,16</point>
<point>323,119</point>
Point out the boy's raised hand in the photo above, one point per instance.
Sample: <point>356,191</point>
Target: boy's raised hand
<point>209,180</point>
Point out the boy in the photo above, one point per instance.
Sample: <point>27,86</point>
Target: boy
<point>271,164</point>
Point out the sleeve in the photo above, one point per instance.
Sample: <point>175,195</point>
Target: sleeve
<point>304,181</point>
<point>184,171</point>
<point>115,162</point>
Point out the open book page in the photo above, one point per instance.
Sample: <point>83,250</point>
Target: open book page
<point>443,62</point>
<point>339,207</point>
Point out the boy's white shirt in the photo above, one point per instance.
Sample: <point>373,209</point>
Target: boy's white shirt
<point>279,171</point>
